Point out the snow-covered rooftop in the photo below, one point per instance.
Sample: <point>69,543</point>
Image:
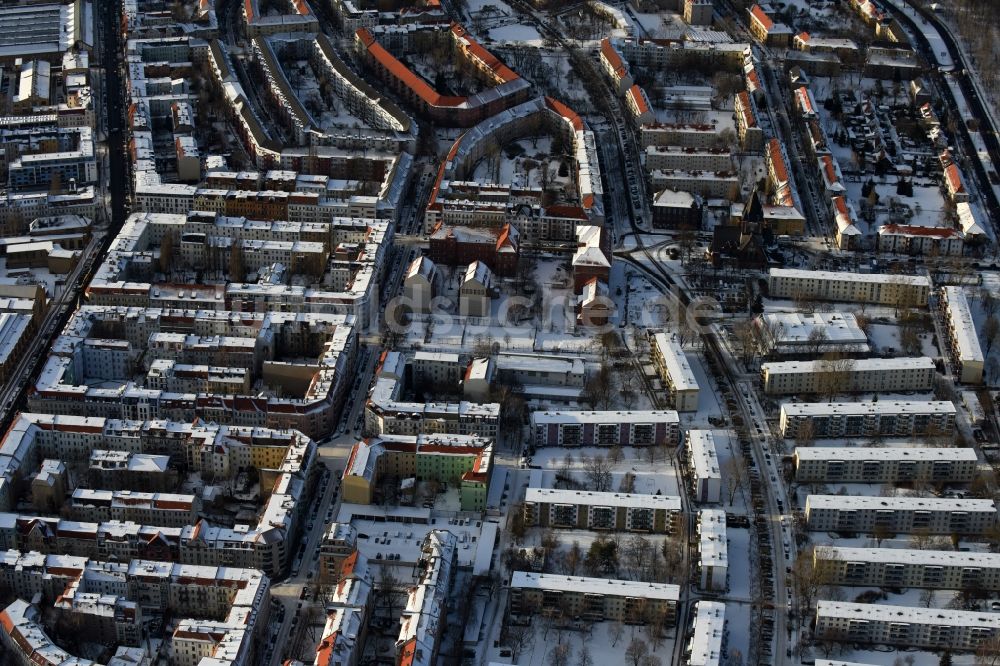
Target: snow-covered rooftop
<point>585,585</point>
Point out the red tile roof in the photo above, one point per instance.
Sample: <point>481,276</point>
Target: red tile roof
<point>765,21</point>
<point>915,230</point>
<point>564,111</point>
<point>611,55</point>
<point>635,92</point>
<point>954,178</point>
<point>777,161</point>
<point>829,169</point>
<point>749,120</point>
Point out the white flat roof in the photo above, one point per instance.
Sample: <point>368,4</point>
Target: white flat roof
<point>795,327</point>
<point>706,642</point>
<point>704,457</point>
<point>592,498</point>
<point>714,546</point>
<point>946,558</point>
<point>606,417</point>
<point>837,276</point>
<point>867,502</point>
<point>676,361</point>
<point>858,365</point>
<point>962,326</point>
<point>891,453</point>
<point>908,614</point>
<point>604,586</point>
<point>868,408</point>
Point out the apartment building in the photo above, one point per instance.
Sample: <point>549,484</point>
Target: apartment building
<point>503,87</point>
<point>110,599</point>
<point>674,369</point>
<point>885,418</point>
<point>713,550</point>
<point>912,627</point>
<point>908,567</point>
<point>169,509</point>
<point>637,102</point>
<point>606,428</point>
<point>966,352</point>
<point>698,12</point>
<point>841,464</point>
<point>615,67</point>
<point>918,240</point>
<point>338,544</point>
<point>884,289</point>
<point>899,515</point>
<point>748,129</point>
<point>595,599</point>
<point>427,367</point>
<point>386,413</point>
<point>462,460</point>
<point>767,30</point>
<point>424,615</point>
<point>705,647</point>
<point>869,375</point>
<point>616,512</point>
<point>475,296</point>
<point>703,466</point>
<point>688,159</point>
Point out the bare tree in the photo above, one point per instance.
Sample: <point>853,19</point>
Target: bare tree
<point>991,329</point>
<point>833,376</point>
<point>598,471</point>
<point>560,654</point>
<point>519,638</point>
<point>988,652</point>
<point>732,472</point>
<point>805,434</point>
<point>808,580</point>
<point>815,341</point>
<point>881,533</point>
<point>573,559</point>
<point>615,631</point>
<point>636,650</point>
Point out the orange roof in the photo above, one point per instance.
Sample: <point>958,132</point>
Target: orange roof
<point>635,93</point>
<point>913,230</point>
<point>324,652</point>
<point>575,212</point>
<point>501,70</point>
<point>954,178</point>
<point>397,69</point>
<point>841,205</point>
<point>802,96</point>
<point>564,111</point>
<point>803,36</point>
<point>5,620</point>
<point>611,55</point>
<point>829,169</point>
<point>408,652</point>
<point>301,7</point>
<point>749,120</point>
<point>248,8</point>
<point>420,87</point>
<point>777,161</point>
<point>762,18</point>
